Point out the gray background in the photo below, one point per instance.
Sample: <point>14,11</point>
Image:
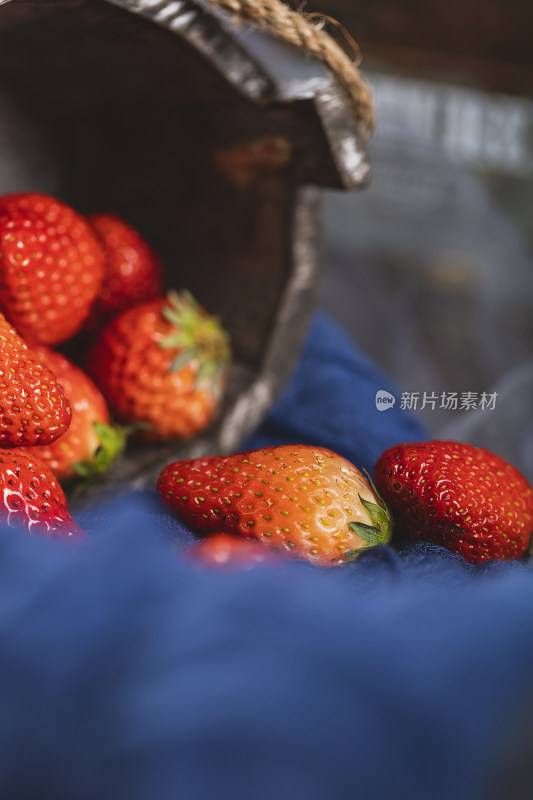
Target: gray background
<point>430,267</point>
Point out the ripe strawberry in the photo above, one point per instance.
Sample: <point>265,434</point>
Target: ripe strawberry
<point>32,498</point>
<point>233,552</point>
<point>162,364</point>
<point>463,497</point>
<point>91,444</point>
<point>51,267</point>
<point>132,271</point>
<point>33,407</point>
<point>306,501</point>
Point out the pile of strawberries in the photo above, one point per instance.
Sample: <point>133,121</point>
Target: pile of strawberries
<point>155,366</point>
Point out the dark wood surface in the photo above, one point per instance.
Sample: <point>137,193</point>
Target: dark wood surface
<point>481,42</point>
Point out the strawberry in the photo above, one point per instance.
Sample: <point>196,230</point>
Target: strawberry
<point>233,552</point>
<point>306,501</point>
<point>91,444</point>
<point>51,267</point>
<point>31,497</point>
<point>33,407</point>
<point>457,495</point>
<point>132,271</point>
<point>162,364</point>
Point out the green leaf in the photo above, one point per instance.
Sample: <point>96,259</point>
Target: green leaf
<point>175,340</point>
<point>380,515</point>
<point>369,533</point>
<point>181,360</point>
<point>112,441</point>
<point>356,552</point>
<point>374,488</point>
<point>195,335</point>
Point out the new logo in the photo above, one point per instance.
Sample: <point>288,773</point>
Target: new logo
<point>384,400</point>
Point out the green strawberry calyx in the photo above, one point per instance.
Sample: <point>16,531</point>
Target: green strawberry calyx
<point>380,531</point>
<point>112,441</point>
<point>198,337</point>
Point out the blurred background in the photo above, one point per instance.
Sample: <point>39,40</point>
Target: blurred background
<point>430,267</point>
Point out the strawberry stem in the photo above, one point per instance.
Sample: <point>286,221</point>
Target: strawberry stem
<point>112,441</point>
<point>198,337</point>
<point>378,533</point>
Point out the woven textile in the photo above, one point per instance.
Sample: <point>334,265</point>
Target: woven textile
<point>127,673</point>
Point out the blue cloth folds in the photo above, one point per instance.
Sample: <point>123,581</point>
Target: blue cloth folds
<point>331,401</point>
<point>125,672</point>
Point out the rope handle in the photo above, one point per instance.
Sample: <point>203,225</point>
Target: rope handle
<point>307,31</point>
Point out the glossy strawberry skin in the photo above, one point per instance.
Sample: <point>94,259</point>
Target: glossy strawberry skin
<point>298,499</point>
<point>81,441</point>
<point>459,496</point>
<point>223,551</point>
<point>51,267</point>
<point>134,370</point>
<point>33,406</point>
<point>132,270</point>
<point>31,497</point>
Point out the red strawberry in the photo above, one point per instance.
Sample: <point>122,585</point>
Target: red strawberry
<point>463,497</point>
<point>32,498</point>
<point>162,364</point>
<point>51,267</point>
<point>233,552</point>
<point>33,407</point>
<point>132,272</point>
<point>306,501</point>
<point>91,444</point>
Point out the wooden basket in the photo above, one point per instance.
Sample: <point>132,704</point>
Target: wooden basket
<point>154,110</point>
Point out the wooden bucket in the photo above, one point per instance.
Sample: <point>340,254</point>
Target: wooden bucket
<point>154,110</point>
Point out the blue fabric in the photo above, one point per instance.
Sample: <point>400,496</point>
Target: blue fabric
<point>331,401</point>
<point>125,672</point>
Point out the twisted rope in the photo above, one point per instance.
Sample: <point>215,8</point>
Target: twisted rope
<point>293,27</point>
